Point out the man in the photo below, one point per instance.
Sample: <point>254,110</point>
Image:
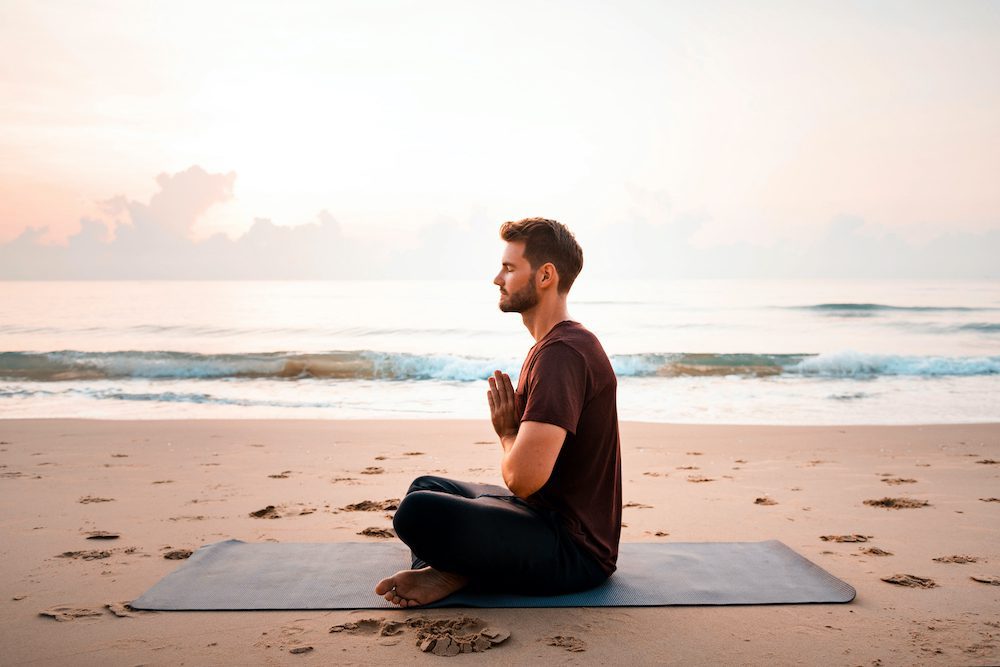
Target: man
<point>555,528</point>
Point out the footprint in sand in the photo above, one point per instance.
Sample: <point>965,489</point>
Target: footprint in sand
<point>910,581</point>
<point>365,626</point>
<point>895,481</point>
<point>269,512</point>
<point>961,560</point>
<point>372,470</point>
<point>897,503</point>
<point>373,506</point>
<point>990,500</point>
<point>699,478</point>
<point>443,636</point>
<point>101,535</point>
<point>413,453</point>
<point>14,474</point>
<point>281,475</point>
<point>373,531</point>
<point>988,462</point>
<point>272,512</point>
<point>640,506</point>
<point>122,609</point>
<point>91,554</point>
<point>856,537</point>
<point>66,613</point>
<point>875,551</point>
<point>346,480</point>
<point>764,500</point>
<point>178,554</point>
<point>288,637</point>
<point>992,581</point>
<point>94,499</point>
<point>571,644</point>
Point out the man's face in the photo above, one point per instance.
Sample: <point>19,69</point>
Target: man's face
<point>516,280</point>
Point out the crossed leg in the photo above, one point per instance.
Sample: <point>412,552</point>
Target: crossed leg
<point>462,533</point>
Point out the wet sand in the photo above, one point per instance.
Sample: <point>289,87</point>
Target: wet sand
<point>95,512</point>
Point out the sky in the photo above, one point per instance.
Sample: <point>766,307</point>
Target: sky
<point>372,139</point>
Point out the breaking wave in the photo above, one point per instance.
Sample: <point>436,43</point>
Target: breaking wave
<point>848,308</point>
<point>69,365</point>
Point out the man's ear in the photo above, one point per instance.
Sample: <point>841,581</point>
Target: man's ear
<point>547,275</point>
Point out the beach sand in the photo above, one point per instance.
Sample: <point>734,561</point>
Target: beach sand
<point>166,486</point>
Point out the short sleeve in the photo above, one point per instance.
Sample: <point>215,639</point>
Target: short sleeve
<point>556,387</point>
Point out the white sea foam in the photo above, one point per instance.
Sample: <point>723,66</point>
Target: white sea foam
<point>849,363</point>
<point>368,365</point>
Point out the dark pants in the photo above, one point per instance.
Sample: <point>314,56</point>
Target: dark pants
<point>493,537</point>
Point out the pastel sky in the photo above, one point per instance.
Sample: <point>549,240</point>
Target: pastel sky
<point>720,129</point>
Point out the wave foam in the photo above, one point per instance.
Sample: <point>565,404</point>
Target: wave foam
<point>849,363</point>
<point>70,365</point>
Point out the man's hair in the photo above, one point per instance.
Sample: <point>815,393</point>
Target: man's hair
<point>547,241</point>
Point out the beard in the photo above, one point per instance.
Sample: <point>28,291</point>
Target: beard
<point>524,299</point>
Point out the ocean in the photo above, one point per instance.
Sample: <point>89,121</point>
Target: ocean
<point>691,351</point>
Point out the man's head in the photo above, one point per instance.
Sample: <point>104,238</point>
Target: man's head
<point>539,253</point>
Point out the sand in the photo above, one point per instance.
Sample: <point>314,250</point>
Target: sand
<point>95,512</point>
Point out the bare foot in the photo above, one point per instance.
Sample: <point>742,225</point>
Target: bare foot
<point>410,588</point>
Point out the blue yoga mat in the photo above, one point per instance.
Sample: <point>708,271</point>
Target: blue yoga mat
<point>236,575</point>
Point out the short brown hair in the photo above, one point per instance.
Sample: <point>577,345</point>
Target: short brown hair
<point>547,241</point>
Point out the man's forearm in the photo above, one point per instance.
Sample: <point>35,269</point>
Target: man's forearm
<point>529,456</point>
<point>507,442</point>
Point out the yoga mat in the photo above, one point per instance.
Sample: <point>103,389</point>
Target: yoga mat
<point>235,575</point>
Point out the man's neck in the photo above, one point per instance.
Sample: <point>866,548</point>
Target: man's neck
<point>540,319</point>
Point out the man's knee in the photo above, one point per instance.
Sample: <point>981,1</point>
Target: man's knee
<point>415,514</point>
<point>427,483</point>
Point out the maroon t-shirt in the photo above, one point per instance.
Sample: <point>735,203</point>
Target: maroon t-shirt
<point>568,381</point>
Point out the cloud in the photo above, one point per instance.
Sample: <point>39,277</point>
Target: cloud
<point>154,241</point>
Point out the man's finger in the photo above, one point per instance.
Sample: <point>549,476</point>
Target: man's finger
<point>496,383</point>
<point>507,388</point>
<point>495,391</point>
<point>489,397</point>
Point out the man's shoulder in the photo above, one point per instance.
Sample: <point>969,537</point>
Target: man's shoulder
<point>574,344</point>
<point>574,336</point>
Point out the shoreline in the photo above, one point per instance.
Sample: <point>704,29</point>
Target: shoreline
<point>178,484</point>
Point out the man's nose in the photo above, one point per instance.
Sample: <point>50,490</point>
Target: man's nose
<point>497,279</point>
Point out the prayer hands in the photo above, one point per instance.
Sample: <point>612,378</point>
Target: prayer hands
<point>503,408</point>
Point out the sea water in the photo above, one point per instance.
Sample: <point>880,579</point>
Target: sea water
<point>695,351</point>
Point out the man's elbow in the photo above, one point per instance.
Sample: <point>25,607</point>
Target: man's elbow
<point>522,486</point>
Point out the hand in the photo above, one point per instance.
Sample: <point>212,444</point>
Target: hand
<point>503,410</point>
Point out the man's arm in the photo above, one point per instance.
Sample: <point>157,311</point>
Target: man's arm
<point>530,448</point>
